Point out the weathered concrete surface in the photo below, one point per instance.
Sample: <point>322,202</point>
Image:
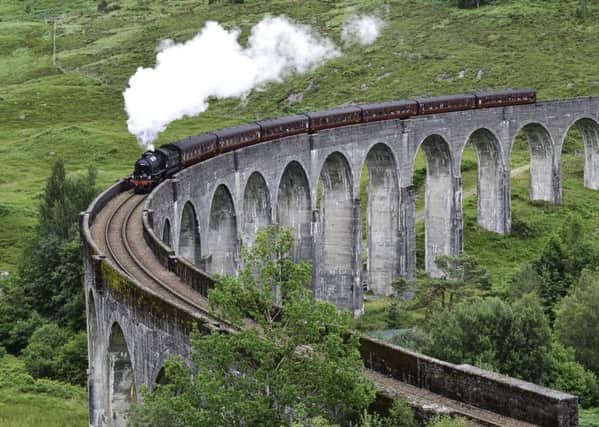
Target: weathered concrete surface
<point>291,168</point>
<point>483,389</point>
<point>383,220</point>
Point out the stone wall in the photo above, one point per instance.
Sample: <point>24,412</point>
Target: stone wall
<point>465,383</point>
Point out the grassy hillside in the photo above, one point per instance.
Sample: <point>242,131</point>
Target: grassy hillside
<point>25,402</point>
<point>73,108</point>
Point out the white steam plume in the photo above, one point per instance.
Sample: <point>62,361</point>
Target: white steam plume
<point>361,29</point>
<point>214,65</point>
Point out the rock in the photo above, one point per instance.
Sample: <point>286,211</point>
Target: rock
<point>479,74</point>
<point>295,98</point>
<point>443,77</point>
<point>4,275</point>
<point>461,74</point>
<point>363,86</point>
<point>570,85</point>
<point>382,76</point>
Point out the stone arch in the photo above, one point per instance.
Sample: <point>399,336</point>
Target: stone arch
<point>189,235</point>
<point>382,214</point>
<point>335,258</point>
<point>492,200</point>
<point>256,207</point>
<point>166,233</point>
<point>589,129</point>
<point>121,379</point>
<point>439,206</point>
<point>294,209</point>
<point>222,234</point>
<point>542,185</point>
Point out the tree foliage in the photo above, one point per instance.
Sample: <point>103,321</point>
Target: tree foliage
<point>570,376</point>
<point>55,353</point>
<point>512,339</point>
<point>52,274</point>
<point>296,362</point>
<point>460,278</point>
<point>561,262</point>
<point>43,308</point>
<point>577,318</point>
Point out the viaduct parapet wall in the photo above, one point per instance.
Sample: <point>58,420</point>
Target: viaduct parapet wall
<point>199,220</point>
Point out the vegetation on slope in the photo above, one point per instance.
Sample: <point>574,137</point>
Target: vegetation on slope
<point>74,109</point>
<point>27,402</point>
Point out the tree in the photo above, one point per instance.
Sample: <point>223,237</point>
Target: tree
<point>40,354</point>
<point>512,339</point>
<point>53,352</point>
<point>296,361</point>
<point>461,277</point>
<point>571,377</point>
<point>561,262</point>
<point>577,317</point>
<point>51,273</point>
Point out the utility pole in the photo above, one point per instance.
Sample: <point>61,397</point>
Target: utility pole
<point>54,44</point>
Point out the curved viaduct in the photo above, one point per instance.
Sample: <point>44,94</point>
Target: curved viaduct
<point>199,220</point>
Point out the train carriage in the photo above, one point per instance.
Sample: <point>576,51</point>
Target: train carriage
<point>506,97</point>
<point>233,138</point>
<point>334,118</point>
<point>196,148</point>
<point>445,104</point>
<point>283,126</point>
<point>389,110</point>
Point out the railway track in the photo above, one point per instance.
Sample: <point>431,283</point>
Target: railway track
<point>118,231</point>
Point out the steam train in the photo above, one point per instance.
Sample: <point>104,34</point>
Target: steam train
<point>154,166</point>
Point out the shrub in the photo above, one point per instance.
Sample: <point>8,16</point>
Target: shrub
<point>39,355</point>
<point>571,377</point>
<point>577,317</point>
<point>490,333</point>
<point>54,353</point>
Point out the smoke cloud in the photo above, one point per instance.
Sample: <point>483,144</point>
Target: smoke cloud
<point>361,29</point>
<point>214,65</point>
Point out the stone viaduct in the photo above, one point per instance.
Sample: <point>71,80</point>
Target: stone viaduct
<point>199,220</point>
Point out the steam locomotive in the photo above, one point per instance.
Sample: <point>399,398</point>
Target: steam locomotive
<point>154,166</point>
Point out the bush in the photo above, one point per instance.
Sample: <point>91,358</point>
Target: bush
<point>401,415</point>
<point>571,377</point>
<point>513,339</point>
<point>71,360</point>
<point>577,317</point>
<point>40,354</point>
<point>54,353</point>
<point>2,352</point>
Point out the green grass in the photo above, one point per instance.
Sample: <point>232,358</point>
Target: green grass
<point>588,417</point>
<point>74,109</point>
<point>26,402</point>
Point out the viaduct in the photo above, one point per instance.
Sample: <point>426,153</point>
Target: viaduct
<point>144,294</point>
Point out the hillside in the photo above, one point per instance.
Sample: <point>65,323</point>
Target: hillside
<point>73,109</point>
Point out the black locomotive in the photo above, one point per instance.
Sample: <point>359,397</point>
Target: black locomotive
<point>154,166</point>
